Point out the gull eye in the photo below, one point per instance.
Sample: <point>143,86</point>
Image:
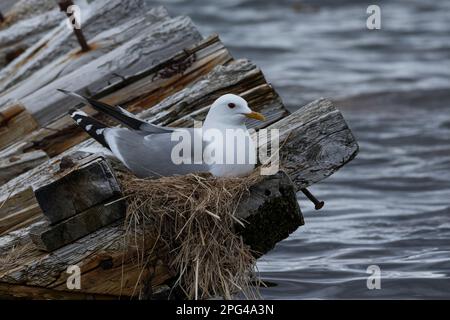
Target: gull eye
<point>231,105</point>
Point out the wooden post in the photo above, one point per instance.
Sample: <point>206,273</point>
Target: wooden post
<point>64,5</point>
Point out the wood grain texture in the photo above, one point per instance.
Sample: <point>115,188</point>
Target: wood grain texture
<point>143,51</point>
<point>80,189</point>
<point>17,10</point>
<point>105,263</point>
<point>69,62</point>
<point>315,142</point>
<point>20,219</point>
<point>101,15</point>
<point>23,34</point>
<point>14,166</point>
<point>17,195</point>
<point>15,127</point>
<point>51,237</point>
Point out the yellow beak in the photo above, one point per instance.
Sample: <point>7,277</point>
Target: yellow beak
<point>255,115</point>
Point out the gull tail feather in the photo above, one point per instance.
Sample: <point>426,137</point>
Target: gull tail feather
<point>93,127</point>
<point>117,113</point>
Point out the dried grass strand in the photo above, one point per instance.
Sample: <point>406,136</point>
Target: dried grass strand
<point>193,217</point>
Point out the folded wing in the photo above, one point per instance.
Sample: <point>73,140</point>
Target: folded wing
<point>119,114</point>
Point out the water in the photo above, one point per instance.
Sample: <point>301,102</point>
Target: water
<point>391,206</point>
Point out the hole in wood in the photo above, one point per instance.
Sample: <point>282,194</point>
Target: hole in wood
<point>106,264</point>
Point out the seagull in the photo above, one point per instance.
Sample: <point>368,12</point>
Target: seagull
<point>147,149</point>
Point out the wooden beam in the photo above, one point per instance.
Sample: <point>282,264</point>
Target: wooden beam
<point>20,219</point>
<point>101,16</point>
<point>71,61</point>
<point>315,142</point>
<point>271,213</point>
<point>10,291</point>
<point>15,165</point>
<point>23,10</point>
<point>19,200</point>
<point>15,122</point>
<point>54,236</point>
<point>23,34</point>
<point>143,51</point>
<point>78,190</point>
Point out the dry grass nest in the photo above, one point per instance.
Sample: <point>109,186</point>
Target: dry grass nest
<point>193,217</point>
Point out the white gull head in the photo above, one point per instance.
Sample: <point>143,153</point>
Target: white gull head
<point>227,117</point>
<point>230,111</point>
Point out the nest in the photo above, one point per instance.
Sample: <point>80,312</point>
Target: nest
<point>193,217</point>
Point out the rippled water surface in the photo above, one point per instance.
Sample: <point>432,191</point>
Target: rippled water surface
<point>391,206</point>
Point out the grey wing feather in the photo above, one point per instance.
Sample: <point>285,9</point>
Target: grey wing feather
<point>119,114</point>
<point>149,155</point>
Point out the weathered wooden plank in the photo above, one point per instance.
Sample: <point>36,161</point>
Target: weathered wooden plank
<point>20,219</point>
<point>10,112</point>
<point>13,166</point>
<point>17,195</point>
<point>15,239</point>
<point>9,291</point>
<point>271,213</point>
<point>105,264</point>
<point>15,122</point>
<point>143,51</point>
<point>101,15</point>
<point>23,34</point>
<point>103,260</point>
<point>77,191</point>
<point>315,142</point>
<point>15,149</point>
<point>52,237</point>
<point>101,44</point>
<point>25,9</point>
<point>150,86</point>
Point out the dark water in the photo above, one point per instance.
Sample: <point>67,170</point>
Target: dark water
<point>391,206</point>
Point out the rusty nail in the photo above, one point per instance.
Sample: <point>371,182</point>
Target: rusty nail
<point>317,203</point>
<point>64,5</point>
<point>2,18</point>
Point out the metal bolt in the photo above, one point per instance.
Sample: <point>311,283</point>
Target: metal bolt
<point>317,203</point>
<point>64,5</point>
